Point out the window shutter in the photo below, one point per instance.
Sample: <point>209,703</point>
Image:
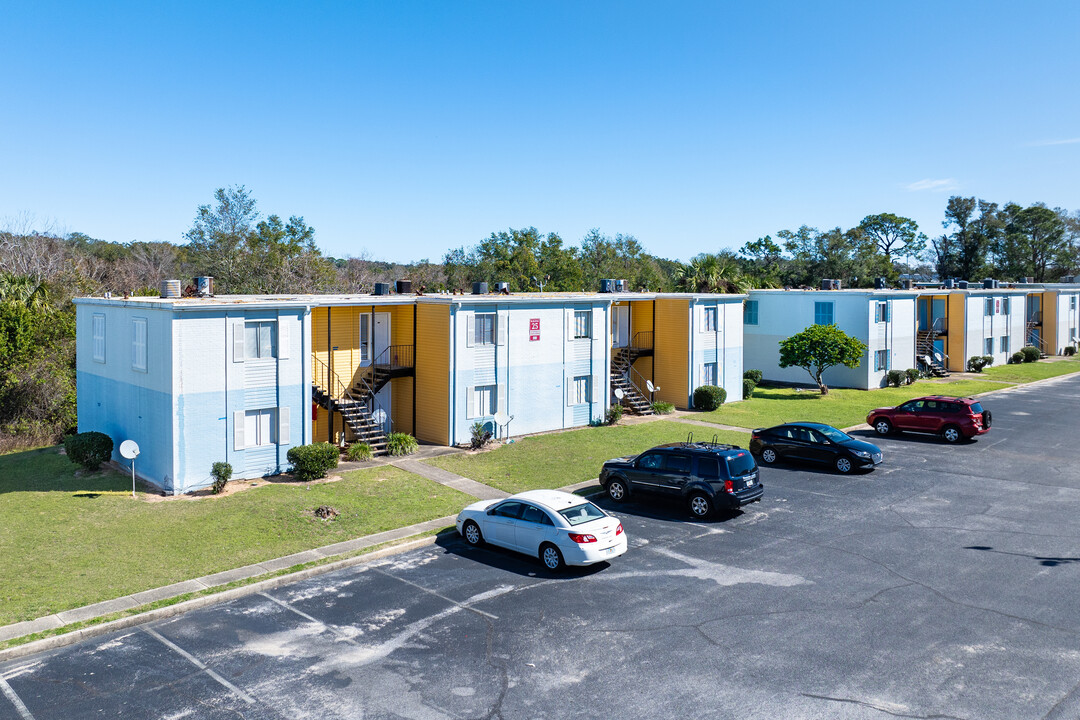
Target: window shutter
<point>238,421</point>
<point>500,329</point>
<point>283,426</point>
<point>470,330</point>
<point>569,390</point>
<point>238,342</point>
<point>500,403</point>
<point>596,324</point>
<point>701,319</point>
<point>595,382</point>
<point>283,338</point>
<point>569,325</point>
<point>470,403</point>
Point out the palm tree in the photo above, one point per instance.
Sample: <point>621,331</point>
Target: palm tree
<point>23,290</point>
<point>711,273</point>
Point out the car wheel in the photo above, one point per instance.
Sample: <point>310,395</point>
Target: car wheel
<point>883,427</point>
<point>472,534</point>
<point>843,464</point>
<point>951,433</point>
<point>551,557</point>
<point>616,490</point>
<point>700,505</point>
<point>768,456</point>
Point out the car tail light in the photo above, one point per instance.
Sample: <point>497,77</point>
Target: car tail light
<point>618,530</point>
<point>729,486</point>
<point>579,538</point>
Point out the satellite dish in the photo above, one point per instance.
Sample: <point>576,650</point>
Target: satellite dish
<point>129,449</point>
<point>619,393</point>
<point>501,418</point>
<point>379,416</point>
<point>648,384</point>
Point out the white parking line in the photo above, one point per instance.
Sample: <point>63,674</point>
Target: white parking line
<point>24,713</point>
<point>197,663</point>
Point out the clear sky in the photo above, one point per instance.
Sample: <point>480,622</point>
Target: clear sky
<point>402,129</point>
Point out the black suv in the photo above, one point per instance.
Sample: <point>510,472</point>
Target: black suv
<point>706,476</point>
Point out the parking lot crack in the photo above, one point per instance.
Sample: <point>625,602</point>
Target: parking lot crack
<point>886,711</point>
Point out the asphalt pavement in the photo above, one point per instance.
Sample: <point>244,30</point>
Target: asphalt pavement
<point>944,584</point>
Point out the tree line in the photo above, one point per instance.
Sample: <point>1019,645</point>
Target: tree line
<point>249,253</point>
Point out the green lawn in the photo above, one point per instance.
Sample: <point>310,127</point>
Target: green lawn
<point>840,408</point>
<point>557,459</point>
<point>1027,372</point>
<point>68,541</point>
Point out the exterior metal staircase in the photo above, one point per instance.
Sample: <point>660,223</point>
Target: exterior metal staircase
<point>329,392</point>
<point>1033,334</point>
<point>623,372</point>
<point>930,360</point>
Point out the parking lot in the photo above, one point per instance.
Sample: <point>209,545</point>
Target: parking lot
<point>945,584</point>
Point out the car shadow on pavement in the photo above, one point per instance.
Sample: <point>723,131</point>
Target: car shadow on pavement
<point>508,560</point>
<point>655,508</point>
<point>1045,561</point>
<point>925,438</point>
<point>795,467</point>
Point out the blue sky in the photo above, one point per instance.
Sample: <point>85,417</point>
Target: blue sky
<point>403,129</point>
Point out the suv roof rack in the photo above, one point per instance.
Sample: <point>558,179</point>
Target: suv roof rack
<point>713,444</point>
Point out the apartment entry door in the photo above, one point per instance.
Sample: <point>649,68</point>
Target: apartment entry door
<point>380,342</point>
<point>620,326</point>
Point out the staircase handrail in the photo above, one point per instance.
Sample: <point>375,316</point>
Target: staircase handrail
<point>642,340</point>
<point>636,386</point>
<point>327,378</point>
<point>1036,340</point>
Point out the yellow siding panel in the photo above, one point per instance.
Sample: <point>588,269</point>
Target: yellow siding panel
<point>671,350</point>
<point>433,373</point>
<point>1050,322</point>
<point>401,404</point>
<point>641,317</point>
<point>957,319</point>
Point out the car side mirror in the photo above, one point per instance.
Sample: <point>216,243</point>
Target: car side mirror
<point>827,442</point>
<point>491,511</point>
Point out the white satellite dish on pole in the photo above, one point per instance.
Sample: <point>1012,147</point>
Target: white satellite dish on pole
<point>648,384</point>
<point>379,416</point>
<point>619,393</point>
<point>129,449</point>
<point>502,419</point>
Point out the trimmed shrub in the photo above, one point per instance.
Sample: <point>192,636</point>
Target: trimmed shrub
<point>748,386</point>
<point>988,360</point>
<point>709,397</point>
<point>1031,354</point>
<point>1016,358</point>
<point>1070,350</point>
<point>754,375</point>
<point>614,414</point>
<point>88,449</point>
<point>976,363</point>
<point>912,375</point>
<point>481,436</point>
<point>312,461</point>
<point>895,378</point>
<point>399,443</point>
<point>663,408</point>
<point>222,473</point>
<point>359,451</point>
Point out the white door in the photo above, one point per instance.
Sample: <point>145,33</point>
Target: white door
<point>380,342</point>
<point>620,325</point>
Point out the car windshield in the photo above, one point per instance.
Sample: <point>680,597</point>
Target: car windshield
<point>976,409</point>
<point>833,434</point>
<point>582,513</point>
<point>740,463</point>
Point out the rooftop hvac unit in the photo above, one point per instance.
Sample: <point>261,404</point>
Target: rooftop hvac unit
<point>907,283</point>
<point>826,284</point>
<point>988,284</point>
<point>479,288</point>
<point>502,287</point>
<point>881,283</point>
<point>382,289</point>
<point>204,286</point>
<point>404,287</point>
<point>950,283</point>
<point>963,284</point>
<point>607,286</point>
<point>170,288</point>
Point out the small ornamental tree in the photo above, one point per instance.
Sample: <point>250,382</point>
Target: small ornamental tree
<point>818,348</point>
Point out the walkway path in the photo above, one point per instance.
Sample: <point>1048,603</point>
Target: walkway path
<point>449,479</point>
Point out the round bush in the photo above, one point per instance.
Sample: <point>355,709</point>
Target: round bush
<point>895,378</point>
<point>398,443</point>
<point>912,375</point>
<point>1031,354</point>
<point>709,397</point>
<point>358,451</point>
<point>88,449</point>
<point>754,375</point>
<point>312,461</point>
<point>1070,350</point>
<point>1016,358</point>
<point>748,386</point>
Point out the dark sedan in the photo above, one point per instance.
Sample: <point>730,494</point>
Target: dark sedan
<point>813,442</point>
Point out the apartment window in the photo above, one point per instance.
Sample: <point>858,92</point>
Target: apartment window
<point>365,337</point>
<point>823,313</point>
<point>709,320</point>
<point>259,427</point>
<point>484,334</point>
<point>989,307</point>
<point>708,374</point>
<point>99,337</point>
<point>988,346</point>
<point>1003,344</point>
<point>749,315</point>
<point>580,392</point>
<point>1072,302</point>
<point>582,324</point>
<point>483,401</point>
<point>881,360</point>
<point>1005,306</point>
<point>1072,335</point>
<point>138,344</point>
<point>259,340</point>
<point>882,312</point>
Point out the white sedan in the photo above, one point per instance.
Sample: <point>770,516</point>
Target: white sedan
<point>559,528</point>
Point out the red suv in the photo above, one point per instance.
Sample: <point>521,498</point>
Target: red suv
<point>951,417</point>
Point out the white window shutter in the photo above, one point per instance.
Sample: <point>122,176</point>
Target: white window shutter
<point>596,382</point>
<point>597,324</point>
<point>283,426</point>
<point>569,390</point>
<point>238,342</point>
<point>701,319</point>
<point>283,339</point>
<point>500,329</point>
<point>569,325</point>
<point>239,421</point>
<point>470,403</point>
<point>500,403</point>
<point>470,329</point>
